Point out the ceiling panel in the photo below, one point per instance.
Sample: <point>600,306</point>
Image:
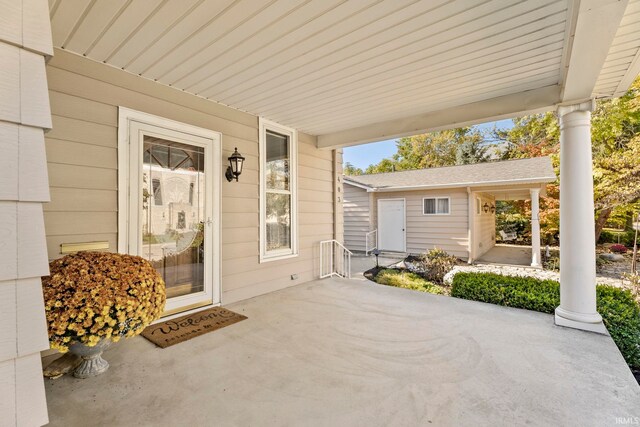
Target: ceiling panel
<point>623,61</point>
<point>327,65</point>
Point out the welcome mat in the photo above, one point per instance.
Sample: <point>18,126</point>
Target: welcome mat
<point>166,334</point>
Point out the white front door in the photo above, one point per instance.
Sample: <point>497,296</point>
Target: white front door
<point>173,208</point>
<point>391,225</point>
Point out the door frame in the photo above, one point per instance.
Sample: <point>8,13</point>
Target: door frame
<point>404,219</point>
<point>128,116</point>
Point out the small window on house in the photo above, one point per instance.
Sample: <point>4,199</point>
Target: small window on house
<point>435,206</point>
<point>478,206</point>
<point>278,202</point>
<point>191,188</point>
<point>157,192</point>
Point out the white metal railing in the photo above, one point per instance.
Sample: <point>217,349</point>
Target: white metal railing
<point>371,242</point>
<point>335,259</point>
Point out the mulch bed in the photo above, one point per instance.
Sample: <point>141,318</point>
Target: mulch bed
<point>373,272</point>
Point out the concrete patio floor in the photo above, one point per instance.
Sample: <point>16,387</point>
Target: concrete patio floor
<point>342,352</point>
<point>507,254</point>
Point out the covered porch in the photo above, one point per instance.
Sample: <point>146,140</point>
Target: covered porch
<point>507,254</point>
<point>336,73</point>
<point>348,352</point>
<point>484,233</point>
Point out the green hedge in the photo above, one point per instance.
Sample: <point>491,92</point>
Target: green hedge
<point>624,237</point>
<point>620,312</point>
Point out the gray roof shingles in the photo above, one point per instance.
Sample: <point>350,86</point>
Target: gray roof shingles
<point>520,171</point>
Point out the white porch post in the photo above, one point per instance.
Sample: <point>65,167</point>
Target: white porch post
<point>535,228</point>
<point>577,238</point>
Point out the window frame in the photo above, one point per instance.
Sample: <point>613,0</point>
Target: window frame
<point>436,198</point>
<point>264,127</point>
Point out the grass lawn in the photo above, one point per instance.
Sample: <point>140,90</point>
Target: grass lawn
<point>408,280</point>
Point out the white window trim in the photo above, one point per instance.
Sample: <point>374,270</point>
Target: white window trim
<point>265,125</point>
<point>436,198</point>
<point>478,206</point>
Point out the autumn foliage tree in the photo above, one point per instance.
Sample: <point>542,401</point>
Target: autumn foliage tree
<point>615,135</point>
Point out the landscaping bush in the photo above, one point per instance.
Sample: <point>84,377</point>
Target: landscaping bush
<point>519,292</point>
<point>620,312</point>
<point>407,280</point>
<point>618,249</point>
<point>623,237</point>
<point>436,264</point>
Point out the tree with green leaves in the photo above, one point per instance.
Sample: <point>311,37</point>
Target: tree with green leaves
<point>349,169</point>
<point>472,151</point>
<point>434,149</point>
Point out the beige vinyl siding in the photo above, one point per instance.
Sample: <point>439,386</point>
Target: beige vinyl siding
<point>485,226</point>
<point>25,40</point>
<point>357,217</point>
<point>82,164</point>
<point>424,232</point>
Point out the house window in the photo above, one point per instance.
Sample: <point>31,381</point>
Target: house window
<point>478,206</point>
<point>435,206</point>
<point>278,213</point>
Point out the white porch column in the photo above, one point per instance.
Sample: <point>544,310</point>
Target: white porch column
<point>536,260</point>
<point>577,238</point>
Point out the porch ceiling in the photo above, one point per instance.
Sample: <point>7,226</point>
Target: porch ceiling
<point>333,68</point>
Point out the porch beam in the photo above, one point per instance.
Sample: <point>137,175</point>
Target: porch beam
<point>592,30</point>
<point>577,240</point>
<point>535,228</point>
<point>503,107</point>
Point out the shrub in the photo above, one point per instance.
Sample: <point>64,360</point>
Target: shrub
<point>519,292</point>
<point>91,296</point>
<point>618,249</point>
<point>623,237</point>
<point>632,282</point>
<point>407,280</point>
<point>607,236</point>
<point>621,315</point>
<point>620,312</point>
<point>436,264</point>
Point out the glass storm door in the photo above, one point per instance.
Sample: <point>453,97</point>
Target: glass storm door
<point>171,207</point>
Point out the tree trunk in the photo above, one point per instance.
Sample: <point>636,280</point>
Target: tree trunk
<point>601,220</point>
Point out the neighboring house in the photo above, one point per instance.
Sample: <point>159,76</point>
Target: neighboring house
<point>86,86</point>
<point>451,208</point>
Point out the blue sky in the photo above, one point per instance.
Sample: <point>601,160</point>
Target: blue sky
<point>364,155</point>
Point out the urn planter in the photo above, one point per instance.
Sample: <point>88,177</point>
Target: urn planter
<point>92,363</point>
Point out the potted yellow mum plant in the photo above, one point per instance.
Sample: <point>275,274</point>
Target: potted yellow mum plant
<point>95,298</point>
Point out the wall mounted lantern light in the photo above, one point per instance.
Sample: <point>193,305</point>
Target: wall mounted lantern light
<point>493,209</point>
<point>235,166</point>
<point>486,207</point>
